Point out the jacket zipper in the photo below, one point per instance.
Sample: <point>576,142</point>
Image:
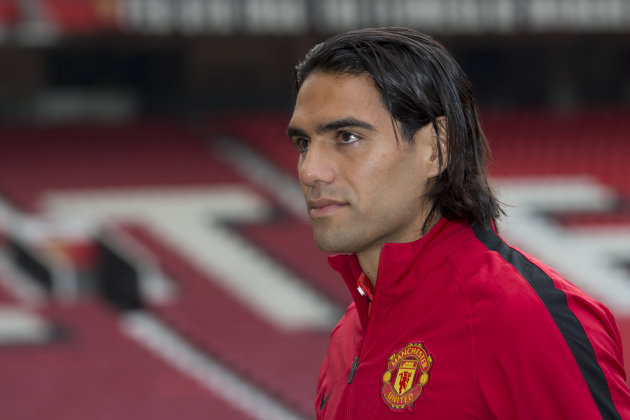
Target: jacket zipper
<point>355,361</point>
<point>355,365</point>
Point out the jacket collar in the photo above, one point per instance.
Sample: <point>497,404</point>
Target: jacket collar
<point>396,260</point>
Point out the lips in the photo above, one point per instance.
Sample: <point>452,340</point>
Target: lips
<point>324,207</point>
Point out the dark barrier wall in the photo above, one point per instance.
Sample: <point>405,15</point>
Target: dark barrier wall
<point>191,75</point>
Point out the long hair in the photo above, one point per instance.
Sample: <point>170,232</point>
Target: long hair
<point>420,83</point>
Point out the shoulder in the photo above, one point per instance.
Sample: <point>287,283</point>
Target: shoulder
<point>527,316</point>
<point>516,289</point>
<point>519,284</point>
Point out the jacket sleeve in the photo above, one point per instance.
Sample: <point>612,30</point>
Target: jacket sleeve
<point>560,360</point>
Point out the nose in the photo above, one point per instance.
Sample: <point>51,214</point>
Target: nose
<point>316,166</point>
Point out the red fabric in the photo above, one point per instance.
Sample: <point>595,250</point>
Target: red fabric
<point>83,15</point>
<point>364,285</point>
<point>495,349</point>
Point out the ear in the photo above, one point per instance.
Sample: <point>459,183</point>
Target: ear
<point>439,147</point>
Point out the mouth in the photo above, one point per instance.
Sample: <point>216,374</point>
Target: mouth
<point>324,207</point>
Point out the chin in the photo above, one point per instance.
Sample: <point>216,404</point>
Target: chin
<point>335,245</point>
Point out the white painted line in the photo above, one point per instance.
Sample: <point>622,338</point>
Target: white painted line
<point>20,326</point>
<point>173,349</point>
<point>192,221</point>
<point>588,257</point>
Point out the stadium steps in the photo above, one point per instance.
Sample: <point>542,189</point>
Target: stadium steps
<point>302,256</point>
<point>541,143</point>
<point>34,160</point>
<point>284,364</point>
<point>264,133</point>
<point>37,159</point>
<point>93,371</point>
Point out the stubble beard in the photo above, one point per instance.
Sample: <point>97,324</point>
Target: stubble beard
<point>333,239</point>
<point>341,238</point>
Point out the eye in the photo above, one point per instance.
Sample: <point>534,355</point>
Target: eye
<point>302,144</point>
<point>346,137</point>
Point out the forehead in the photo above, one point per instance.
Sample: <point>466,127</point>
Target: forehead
<point>325,96</point>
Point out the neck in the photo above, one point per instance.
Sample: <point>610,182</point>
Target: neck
<point>369,259</point>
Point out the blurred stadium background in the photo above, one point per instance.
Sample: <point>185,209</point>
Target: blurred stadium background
<point>155,258</point>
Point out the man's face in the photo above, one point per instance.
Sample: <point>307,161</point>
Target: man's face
<point>362,187</point>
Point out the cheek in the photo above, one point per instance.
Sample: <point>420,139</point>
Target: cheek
<point>366,177</point>
<point>392,178</point>
<point>389,167</point>
<point>376,178</point>
<point>375,165</point>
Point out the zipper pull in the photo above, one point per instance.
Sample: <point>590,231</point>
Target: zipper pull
<point>353,369</point>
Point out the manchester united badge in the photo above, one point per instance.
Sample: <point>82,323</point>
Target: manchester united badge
<point>406,375</point>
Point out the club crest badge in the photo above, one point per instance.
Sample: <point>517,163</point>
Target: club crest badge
<point>406,375</point>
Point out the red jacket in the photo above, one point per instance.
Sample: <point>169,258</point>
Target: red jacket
<point>464,327</point>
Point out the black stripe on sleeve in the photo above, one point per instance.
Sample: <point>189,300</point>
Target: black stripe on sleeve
<point>556,303</point>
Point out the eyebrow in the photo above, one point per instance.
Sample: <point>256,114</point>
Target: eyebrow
<point>347,122</point>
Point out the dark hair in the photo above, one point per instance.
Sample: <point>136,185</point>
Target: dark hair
<point>420,83</point>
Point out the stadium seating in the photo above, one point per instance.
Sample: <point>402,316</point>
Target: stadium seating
<point>283,364</point>
<point>91,369</point>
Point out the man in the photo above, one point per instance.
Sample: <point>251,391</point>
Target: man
<point>448,322</point>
